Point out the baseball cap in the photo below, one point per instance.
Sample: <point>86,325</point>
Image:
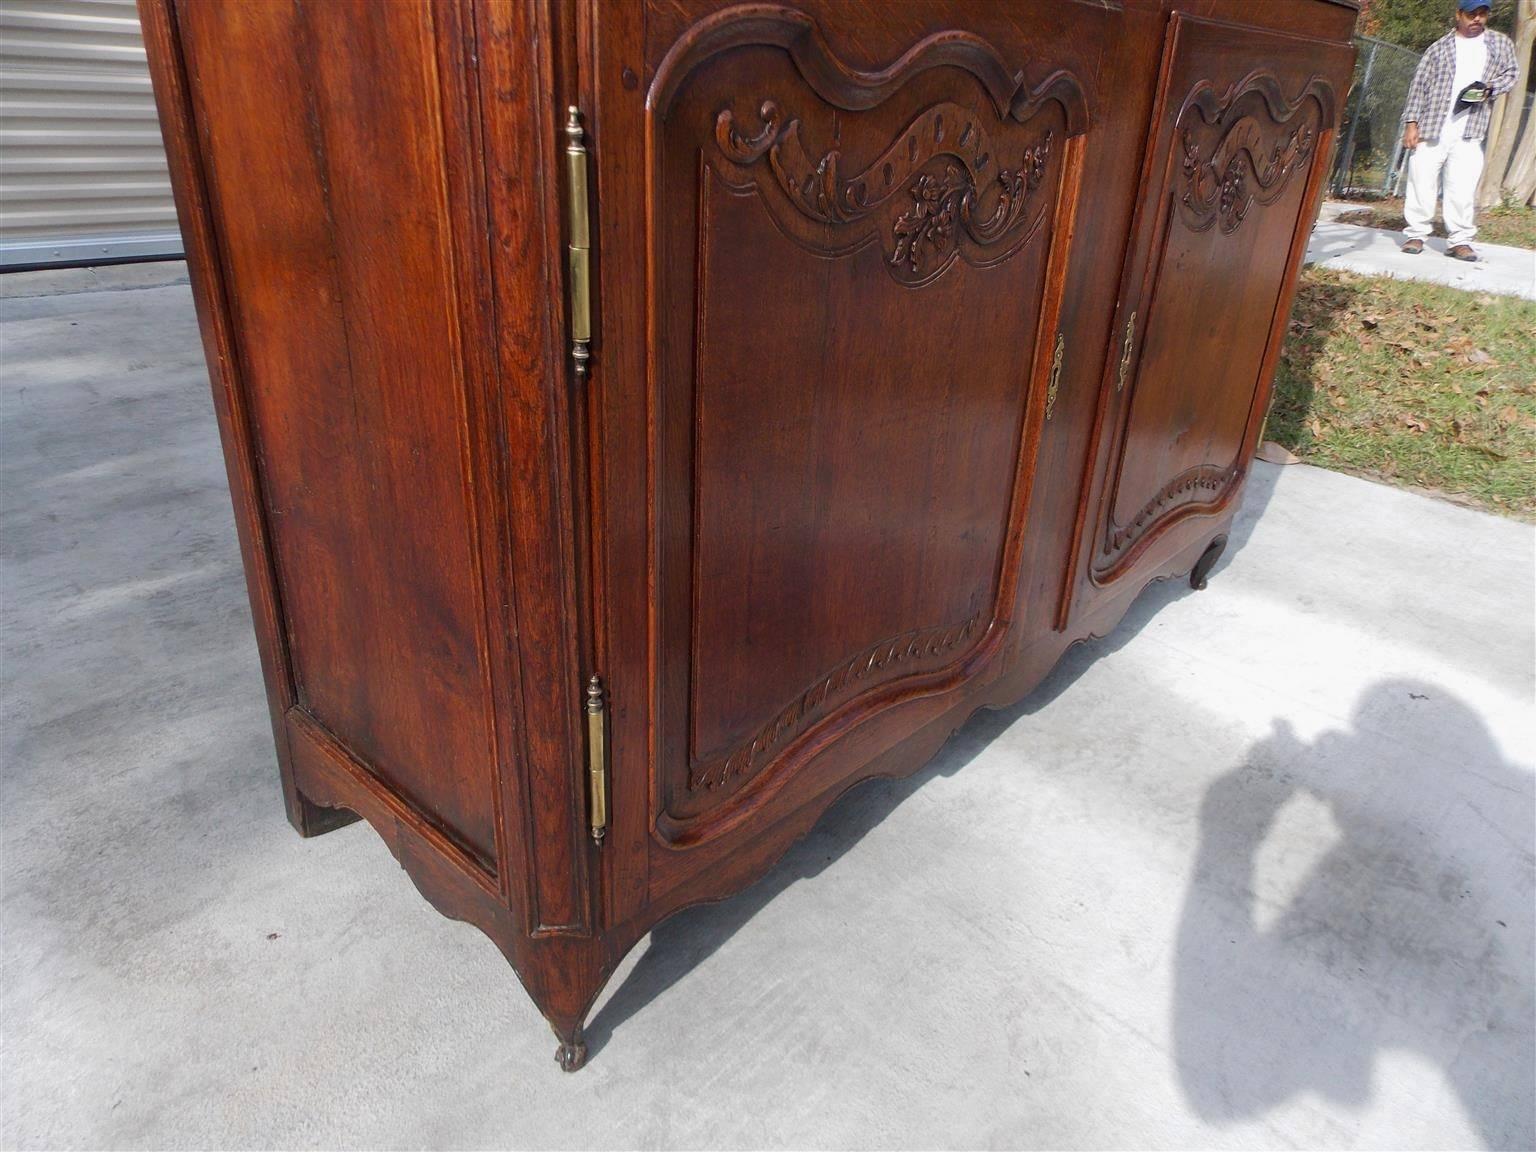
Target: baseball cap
<point>1472,5</point>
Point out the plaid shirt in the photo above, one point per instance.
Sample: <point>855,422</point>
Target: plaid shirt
<point>1429,96</point>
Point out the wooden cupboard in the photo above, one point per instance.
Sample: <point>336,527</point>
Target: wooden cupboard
<point>648,419</point>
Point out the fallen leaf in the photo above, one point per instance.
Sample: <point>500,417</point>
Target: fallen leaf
<point>1508,415</point>
<point>1316,428</point>
<point>1370,322</point>
<point>1415,424</point>
<point>1478,356</point>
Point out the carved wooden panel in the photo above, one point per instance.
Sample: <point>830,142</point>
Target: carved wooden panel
<point>850,268</point>
<point>1241,117</point>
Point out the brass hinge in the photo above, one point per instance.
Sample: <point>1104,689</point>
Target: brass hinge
<point>1055,384</point>
<point>597,761</point>
<point>1125,353</point>
<point>579,251</point>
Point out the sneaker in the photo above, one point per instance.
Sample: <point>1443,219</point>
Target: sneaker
<point>1462,252</point>
<point>1414,246</point>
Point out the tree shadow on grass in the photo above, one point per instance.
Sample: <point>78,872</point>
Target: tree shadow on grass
<point>1320,307</point>
<point>1384,218</point>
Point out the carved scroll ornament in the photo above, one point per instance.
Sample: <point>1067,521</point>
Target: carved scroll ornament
<point>928,188</point>
<point>1248,158</point>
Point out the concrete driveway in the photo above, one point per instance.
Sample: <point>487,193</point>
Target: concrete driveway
<point>1255,872</point>
<point>1499,269</point>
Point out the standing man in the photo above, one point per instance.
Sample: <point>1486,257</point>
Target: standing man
<point>1446,120</point>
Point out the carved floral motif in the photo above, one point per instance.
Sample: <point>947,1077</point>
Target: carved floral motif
<point>925,234</point>
<point>909,647</point>
<point>929,225</point>
<point>943,204</point>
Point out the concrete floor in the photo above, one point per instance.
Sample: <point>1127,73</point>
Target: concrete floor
<point>1255,872</point>
<point>1500,269</point>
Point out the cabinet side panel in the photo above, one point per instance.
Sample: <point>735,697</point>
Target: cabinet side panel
<point>322,132</point>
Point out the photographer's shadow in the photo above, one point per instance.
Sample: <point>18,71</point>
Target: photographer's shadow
<point>1371,891</point>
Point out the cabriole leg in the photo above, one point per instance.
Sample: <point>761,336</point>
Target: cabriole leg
<point>1207,561</point>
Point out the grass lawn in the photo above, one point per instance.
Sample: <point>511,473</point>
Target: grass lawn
<point>1507,224</point>
<point>1415,384</point>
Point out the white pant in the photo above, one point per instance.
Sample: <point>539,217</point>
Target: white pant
<point>1462,163</point>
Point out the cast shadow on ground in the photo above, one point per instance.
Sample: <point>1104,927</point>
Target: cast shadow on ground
<point>682,942</point>
<point>1332,245</point>
<point>1396,916</point>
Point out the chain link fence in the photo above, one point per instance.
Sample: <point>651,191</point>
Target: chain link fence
<point>1370,153</point>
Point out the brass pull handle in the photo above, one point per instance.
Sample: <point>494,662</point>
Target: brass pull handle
<point>1125,353</point>
<point>1055,383</point>
<point>580,248</point>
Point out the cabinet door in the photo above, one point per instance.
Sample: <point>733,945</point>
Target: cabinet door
<point>848,277</point>
<point>1239,142</point>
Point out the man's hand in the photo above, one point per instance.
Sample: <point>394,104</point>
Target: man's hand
<point>1410,136</point>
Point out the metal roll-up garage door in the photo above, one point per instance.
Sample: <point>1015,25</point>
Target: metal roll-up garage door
<point>82,169</point>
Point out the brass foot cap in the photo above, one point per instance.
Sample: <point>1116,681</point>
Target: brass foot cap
<point>571,1056</point>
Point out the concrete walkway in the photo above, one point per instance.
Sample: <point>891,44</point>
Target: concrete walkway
<point>1255,872</point>
<point>1500,269</point>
